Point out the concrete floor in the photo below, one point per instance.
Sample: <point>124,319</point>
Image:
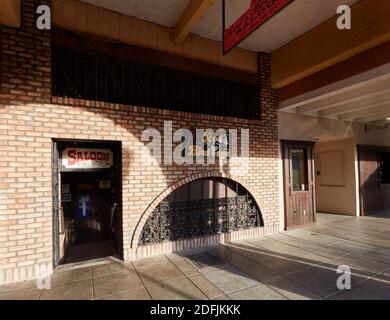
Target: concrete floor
<point>299,264</point>
<point>90,251</point>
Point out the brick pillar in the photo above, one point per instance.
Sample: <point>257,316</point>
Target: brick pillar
<point>269,104</point>
<point>270,140</point>
<point>25,61</point>
<point>269,101</point>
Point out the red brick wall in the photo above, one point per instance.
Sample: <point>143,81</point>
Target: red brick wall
<point>25,59</point>
<point>29,120</point>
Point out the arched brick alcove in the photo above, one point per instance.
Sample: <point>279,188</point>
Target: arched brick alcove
<point>211,174</point>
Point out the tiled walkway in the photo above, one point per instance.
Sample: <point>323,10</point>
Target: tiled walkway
<point>299,264</point>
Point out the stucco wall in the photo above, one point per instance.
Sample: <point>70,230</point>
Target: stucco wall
<point>334,135</point>
<point>337,194</point>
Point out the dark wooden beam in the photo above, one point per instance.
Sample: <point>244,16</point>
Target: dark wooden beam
<point>136,54</point>
<point>363,62</point>
<point>325,45</point>
<point>195,10</point>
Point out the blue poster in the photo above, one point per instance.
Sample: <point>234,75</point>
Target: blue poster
<point>84,206</point>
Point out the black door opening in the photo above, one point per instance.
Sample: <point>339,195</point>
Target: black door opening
<point>87,198</point>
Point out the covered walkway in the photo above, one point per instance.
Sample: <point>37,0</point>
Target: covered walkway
<point>299,264</point>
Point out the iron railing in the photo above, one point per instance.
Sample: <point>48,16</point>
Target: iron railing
<point>94,76</point>
<point>196,218</point>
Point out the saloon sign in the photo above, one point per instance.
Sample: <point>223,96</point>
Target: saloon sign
<point>83,158</point>
<point>258,13</point>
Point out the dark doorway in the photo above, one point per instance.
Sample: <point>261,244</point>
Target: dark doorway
<point>299,190</point>
<point>374,176</point>
<point>87,200</point>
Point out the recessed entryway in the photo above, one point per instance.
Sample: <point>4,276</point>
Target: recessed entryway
<point>87,200</point>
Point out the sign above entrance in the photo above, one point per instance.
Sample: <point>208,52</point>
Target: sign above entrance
<point>257,14</point>
<point>83,158</point>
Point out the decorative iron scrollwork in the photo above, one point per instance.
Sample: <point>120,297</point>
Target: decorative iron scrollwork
<point>196,218</point>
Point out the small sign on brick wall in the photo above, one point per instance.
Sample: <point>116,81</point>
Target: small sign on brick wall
<point>83,158</point>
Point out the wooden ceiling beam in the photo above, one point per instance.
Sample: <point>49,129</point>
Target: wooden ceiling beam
<point>83,18</point>
<point>136,54</point>
<point>352,107</point>
<point>195,10</point>
<point>326,46</point>
<point>371,91</point>
<point>365,103</point>
<point>366,113</point>
<point>377,117</point>
<point>346,71</point>
<point>380,122</point>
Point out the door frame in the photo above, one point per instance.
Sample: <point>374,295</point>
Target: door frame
<point>57,144</point>
<point>286,175</point>
<point>377,150</point>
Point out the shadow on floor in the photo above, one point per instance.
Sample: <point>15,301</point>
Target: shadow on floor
<point>90,251</point>
<point>299,264</point>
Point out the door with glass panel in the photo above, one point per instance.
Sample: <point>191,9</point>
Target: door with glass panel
<point>299,184</point>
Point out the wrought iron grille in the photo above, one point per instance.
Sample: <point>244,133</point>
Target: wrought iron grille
<point>180,220</point>
<point>94,76</point>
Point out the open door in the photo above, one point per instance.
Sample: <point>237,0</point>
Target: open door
<point>299,184</point>
<point>87,200</point>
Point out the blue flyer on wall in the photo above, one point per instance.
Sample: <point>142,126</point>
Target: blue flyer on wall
<point>84,206</point>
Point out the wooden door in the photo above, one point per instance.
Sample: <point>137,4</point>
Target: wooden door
<point>370,193</point>
<point>384,177</point>
<point>299,184</point>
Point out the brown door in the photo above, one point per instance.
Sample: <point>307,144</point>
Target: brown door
<point>369,180</point>
<point>374,176</point>
<point>384,178</point>
<point>298,162</point>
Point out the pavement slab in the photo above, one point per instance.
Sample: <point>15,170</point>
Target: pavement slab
<point>78,290</point>
<point>300,264</point>
<point>258,292</point>
<point>178,289</point>
<point>115,283</point>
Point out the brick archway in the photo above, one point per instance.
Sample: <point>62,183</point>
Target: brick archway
<point>172,188</point>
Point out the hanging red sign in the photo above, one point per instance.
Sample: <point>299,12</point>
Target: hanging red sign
<point>258,13</point>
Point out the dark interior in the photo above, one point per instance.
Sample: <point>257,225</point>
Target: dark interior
<point>90,210</point>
